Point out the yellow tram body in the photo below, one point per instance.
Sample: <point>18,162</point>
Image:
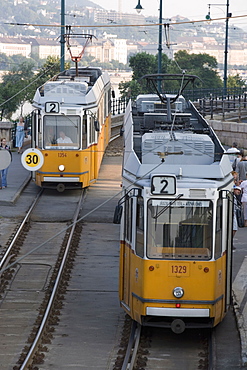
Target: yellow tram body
<point>176,215</point>
<point>203,281</point>
<point>83,164</point>
<point>72,127</point>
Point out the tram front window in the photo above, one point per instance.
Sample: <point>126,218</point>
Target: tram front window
<point>61,132</point>
<point>180,229</point>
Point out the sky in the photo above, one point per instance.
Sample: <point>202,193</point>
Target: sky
<point>192,9</point>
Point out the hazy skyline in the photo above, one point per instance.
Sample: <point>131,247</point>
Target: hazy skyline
<point>192,9</point>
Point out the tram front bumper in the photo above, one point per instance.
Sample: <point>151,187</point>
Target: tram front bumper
<point>177,312</point>
<point>61,179</point>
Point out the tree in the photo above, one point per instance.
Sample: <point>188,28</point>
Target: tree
<point>49,69</point>
<point>4,62</point>
<point>20,84</point>
<point>202,65</point>
<point>129,89</point>
<point>235,82</point>
<point>13,90</point>
<point>143,64</point>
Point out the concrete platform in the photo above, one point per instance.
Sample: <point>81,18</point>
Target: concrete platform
<point>17,178</point>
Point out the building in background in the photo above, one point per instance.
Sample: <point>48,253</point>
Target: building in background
<point>13,46</point>
<point>43,47</point>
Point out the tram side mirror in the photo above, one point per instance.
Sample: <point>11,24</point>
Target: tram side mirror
<point>118,214</point>
<point>113,94</point>
<point>96,125</point>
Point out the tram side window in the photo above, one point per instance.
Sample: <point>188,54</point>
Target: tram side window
<point>107,103</point>
<point>84,132</point>
<point>140,227</point>
<point>100,115</point>
<point>229,219</point>
<point>92,138</point>
<point>218,231</point>
<point>128,218</point>
<point>39,132</point>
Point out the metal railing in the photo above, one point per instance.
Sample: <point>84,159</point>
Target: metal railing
<point>208,102</point>
<point>118,106</point>
<point>217,94</point>
<point>231,106</point>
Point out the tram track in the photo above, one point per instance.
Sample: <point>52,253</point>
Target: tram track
<point>130,357</point>
<point>115,131</point>
<point>6,257</point>
<point>35,281</point>
<point>153,348</point>
<point>61,275</point>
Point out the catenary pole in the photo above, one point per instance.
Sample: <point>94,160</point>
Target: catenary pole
<point>62,40</point>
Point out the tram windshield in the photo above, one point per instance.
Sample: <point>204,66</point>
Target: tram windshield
<point>61,132</point>
<point>179,230</point>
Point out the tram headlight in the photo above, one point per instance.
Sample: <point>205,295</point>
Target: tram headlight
<point>61,167</point>
<point>178,292</point>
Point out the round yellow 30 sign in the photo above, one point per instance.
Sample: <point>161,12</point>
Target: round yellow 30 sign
<point>32,159</point>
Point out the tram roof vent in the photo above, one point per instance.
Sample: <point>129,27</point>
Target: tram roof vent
<point>145,103</point>
<point>147,106</point>
<point>60,88</point>
<point>197,193</point>
<point>190,149</point>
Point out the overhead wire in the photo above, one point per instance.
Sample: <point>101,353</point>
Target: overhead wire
<point>126,25</point>
<point>166,24</point>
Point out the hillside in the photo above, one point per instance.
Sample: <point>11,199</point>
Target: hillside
<point>35,12</point>
<point>80,12</point>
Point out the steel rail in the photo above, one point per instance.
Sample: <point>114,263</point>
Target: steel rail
<point>116,125</point>
<point>212,350</point>
<point>134,353</point>
<point>114,138</point>
<point>7,252</point>
<point>132,348</point>
<point>114,128</point>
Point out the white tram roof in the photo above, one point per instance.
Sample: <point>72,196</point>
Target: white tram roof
<point>68,89</point>
<point>149,102</point>
<point>191,153</point>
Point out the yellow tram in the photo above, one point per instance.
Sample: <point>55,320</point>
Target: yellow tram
<point>71,126</point>
<point>176,216</point>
